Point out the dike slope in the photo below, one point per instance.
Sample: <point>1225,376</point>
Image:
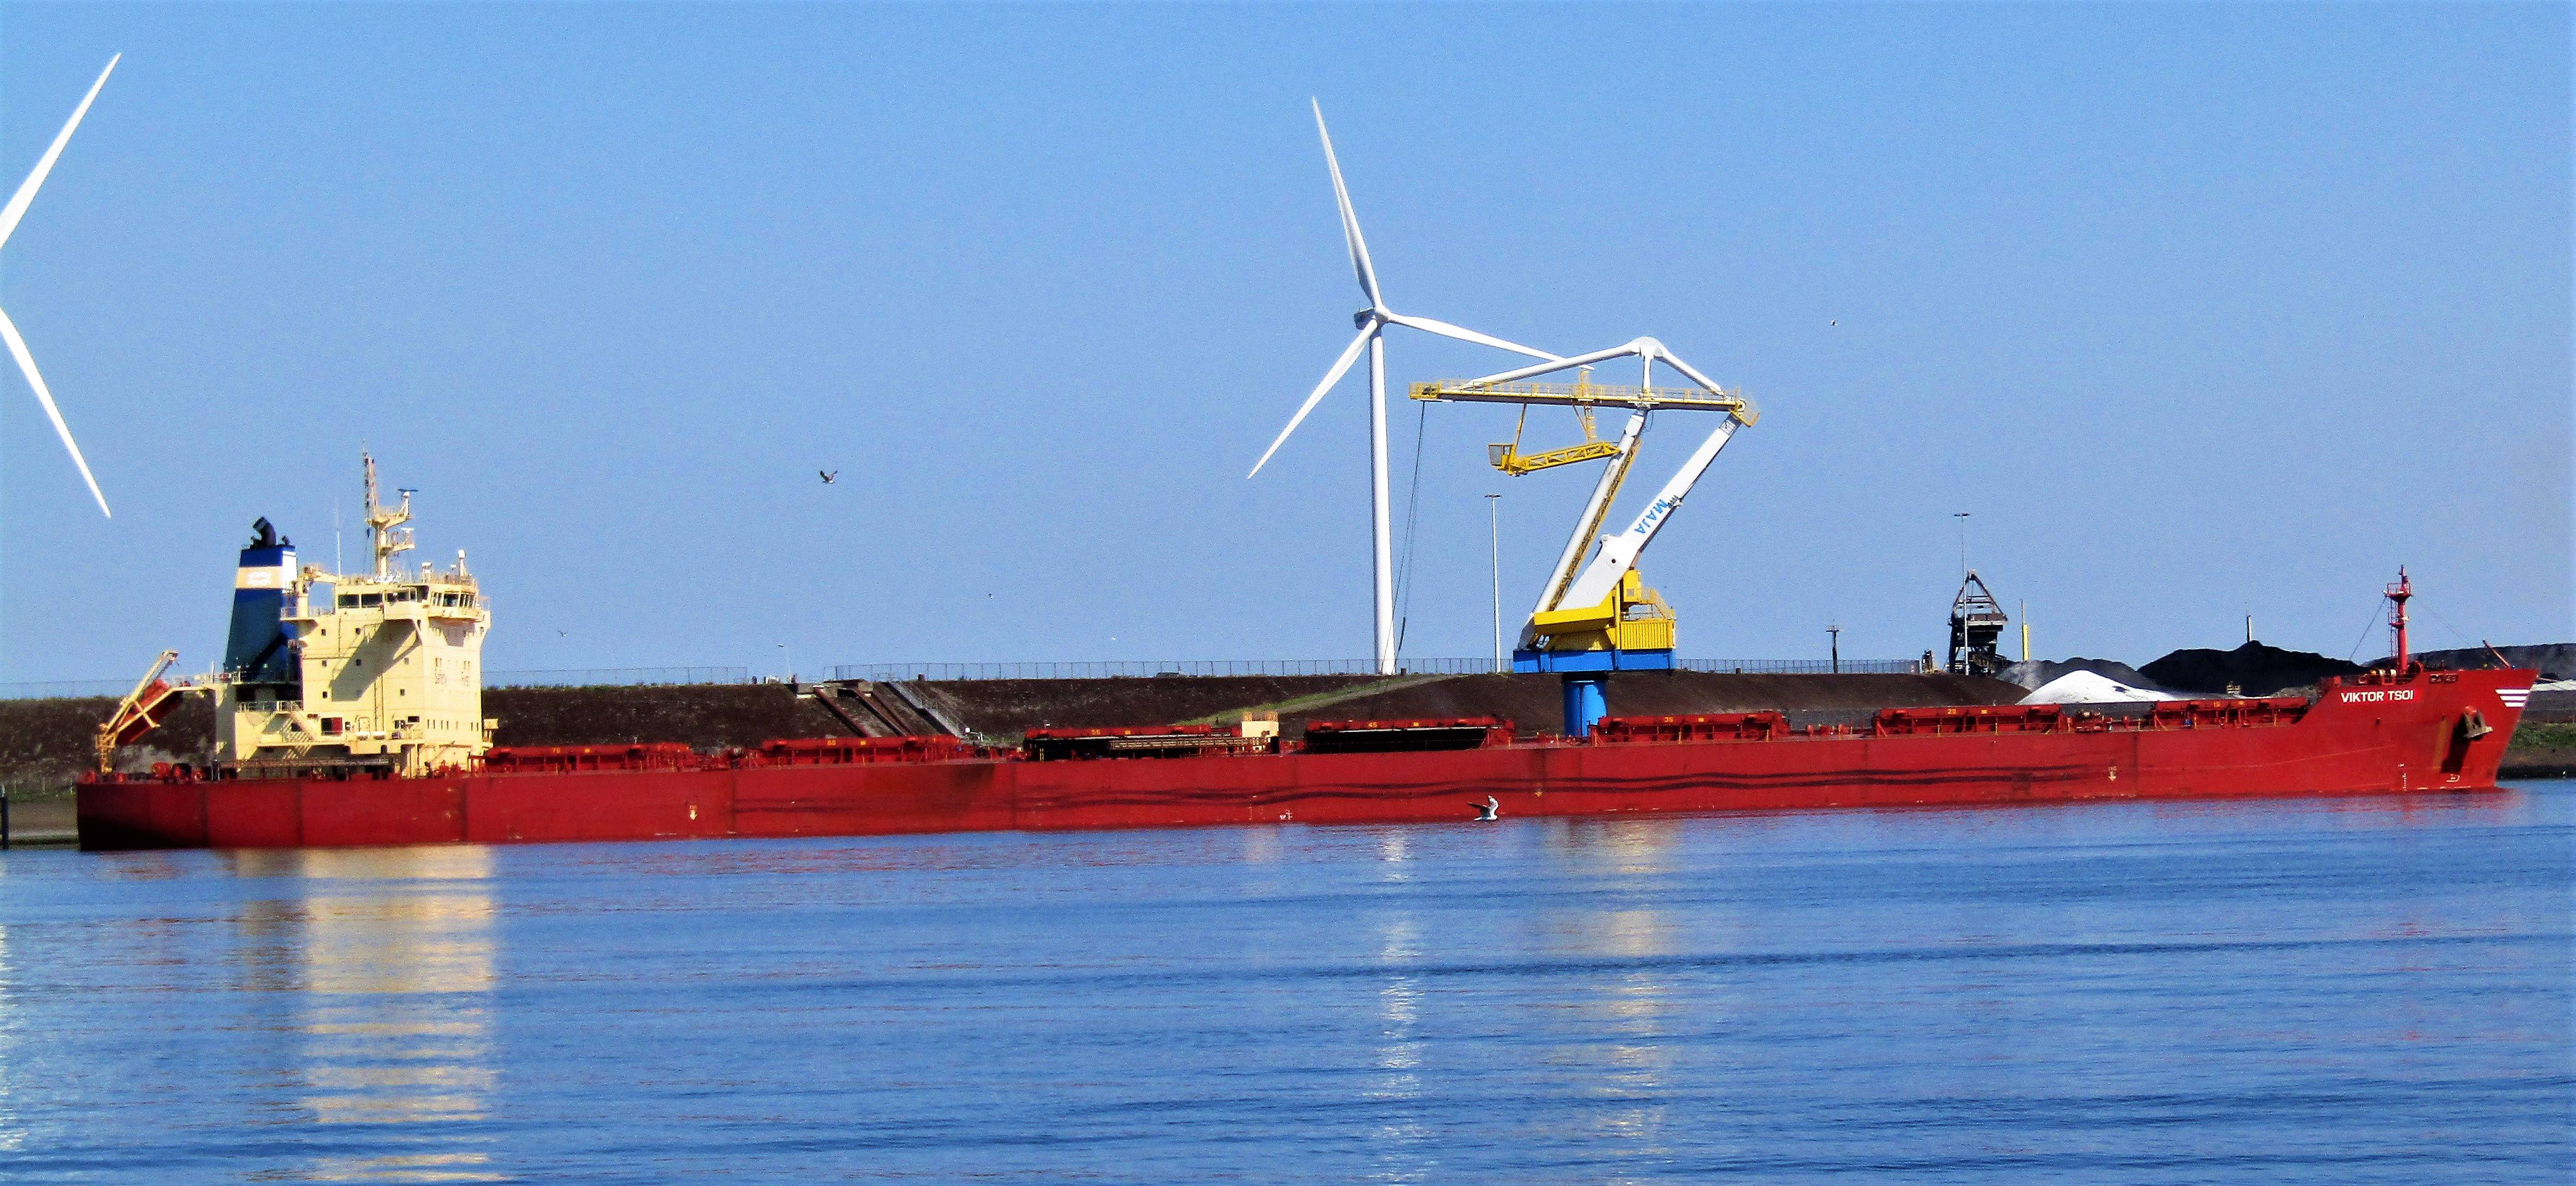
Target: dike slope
<point>1533,703</point>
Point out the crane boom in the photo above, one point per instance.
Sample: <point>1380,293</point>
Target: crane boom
<point>1619,553</point>
<point>1595,511</point>
<point>140,712</point>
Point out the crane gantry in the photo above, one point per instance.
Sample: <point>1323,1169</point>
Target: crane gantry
<point>1603,618</point>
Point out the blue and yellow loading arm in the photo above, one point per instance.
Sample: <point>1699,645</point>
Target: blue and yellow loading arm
<point>1604,618</point>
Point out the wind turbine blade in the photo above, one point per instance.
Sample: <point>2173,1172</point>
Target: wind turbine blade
<point>1341,367</point>
<point>1350,219</point>
<point>27,365</point>
<point>1686,369</point>
<point>17,207</point>
<point>1463,334</point>
<point>1556,365</point>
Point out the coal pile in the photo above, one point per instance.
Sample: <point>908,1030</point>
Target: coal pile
<point>2553,660</point>
<point>2254,669</point>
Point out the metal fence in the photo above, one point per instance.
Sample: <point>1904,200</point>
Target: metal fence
<point>1145,669</point>
<point>65,689</point>
<point>594,677</point>
<point>580,677</point>
<point>1130,669</point>
<point>1807,666</point>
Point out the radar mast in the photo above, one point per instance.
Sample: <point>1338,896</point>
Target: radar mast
<point>385,523</point>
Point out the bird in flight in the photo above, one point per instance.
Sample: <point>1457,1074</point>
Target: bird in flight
<point>1487,811</point>
<point>829,475</point>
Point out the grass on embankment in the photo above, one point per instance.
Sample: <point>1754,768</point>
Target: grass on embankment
<point>2541,750</point>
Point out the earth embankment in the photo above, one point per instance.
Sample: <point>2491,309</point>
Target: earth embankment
<point>1533,703</point>
<point>45,744</point>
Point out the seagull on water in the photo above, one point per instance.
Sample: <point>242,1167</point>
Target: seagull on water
<point>1487,811</point>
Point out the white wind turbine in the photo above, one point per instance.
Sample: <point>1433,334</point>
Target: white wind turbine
<point>1373,322</point>
<point>9,216</point>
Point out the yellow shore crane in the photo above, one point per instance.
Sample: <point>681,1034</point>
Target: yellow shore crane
<point>1602,619</point>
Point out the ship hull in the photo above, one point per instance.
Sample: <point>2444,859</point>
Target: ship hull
<point>2412,735</point>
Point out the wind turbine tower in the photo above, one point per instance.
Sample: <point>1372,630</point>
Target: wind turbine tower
<point>1372,322</point>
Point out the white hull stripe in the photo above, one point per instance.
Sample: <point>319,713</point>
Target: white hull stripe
<point>2513,697</point>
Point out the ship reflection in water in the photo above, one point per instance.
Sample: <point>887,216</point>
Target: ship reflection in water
<point>1624,1005</point>
<point>388,959</point>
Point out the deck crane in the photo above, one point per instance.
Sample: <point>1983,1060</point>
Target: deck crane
<point>1603,618</point>
<point>143,709</point>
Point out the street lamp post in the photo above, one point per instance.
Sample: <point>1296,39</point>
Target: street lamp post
<point>788,661</point>
<point>1836,631</point>
<point>1494,529</point>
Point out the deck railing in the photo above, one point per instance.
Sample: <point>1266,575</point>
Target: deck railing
<point>597,677</point>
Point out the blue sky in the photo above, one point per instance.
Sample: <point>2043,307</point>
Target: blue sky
<point>2199,310</point>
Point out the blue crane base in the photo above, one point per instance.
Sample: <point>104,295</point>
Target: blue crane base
<point>1584,703</point>
<point>1587,678</point>
<point>1576,662</point>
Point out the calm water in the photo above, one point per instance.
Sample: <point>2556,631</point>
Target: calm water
<point>2339,991</point>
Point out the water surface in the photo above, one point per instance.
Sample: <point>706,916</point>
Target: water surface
<point>2345,990</point>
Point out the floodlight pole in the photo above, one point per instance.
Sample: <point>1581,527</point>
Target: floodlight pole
<point>1493,528</point>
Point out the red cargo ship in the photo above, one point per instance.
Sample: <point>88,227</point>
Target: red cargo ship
<point>2385,732</point>
<point>348,713</point>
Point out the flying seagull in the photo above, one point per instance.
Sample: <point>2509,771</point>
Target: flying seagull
<point>829,475</point>
<point>1487,811</point>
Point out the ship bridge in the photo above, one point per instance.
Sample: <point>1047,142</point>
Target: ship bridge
<point>375,671</point>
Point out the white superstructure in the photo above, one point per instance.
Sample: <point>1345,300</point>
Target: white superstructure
<point>386,665</point>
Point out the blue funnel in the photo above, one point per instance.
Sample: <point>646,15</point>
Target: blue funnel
<point>256,651</point>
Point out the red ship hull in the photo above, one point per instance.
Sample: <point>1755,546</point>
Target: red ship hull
<point>2429,731</point>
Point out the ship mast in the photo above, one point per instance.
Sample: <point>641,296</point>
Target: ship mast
<point>383,523</point>
<point>2397,595</point>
